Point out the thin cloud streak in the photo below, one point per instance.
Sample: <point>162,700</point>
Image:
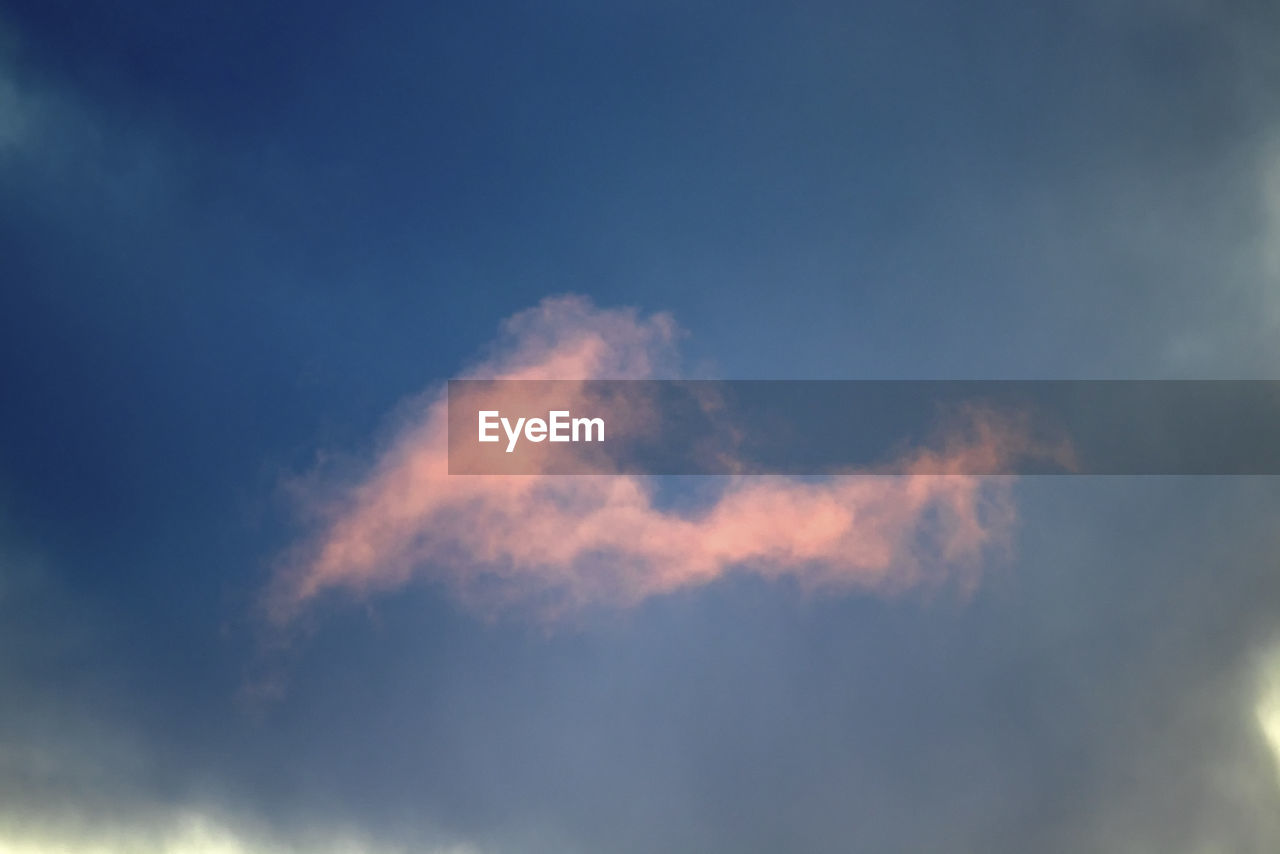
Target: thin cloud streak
<point>558,544</point>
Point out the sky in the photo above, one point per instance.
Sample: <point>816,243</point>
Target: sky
<point>244,245</point>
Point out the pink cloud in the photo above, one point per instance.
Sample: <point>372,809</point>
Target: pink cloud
<point>553,545</point>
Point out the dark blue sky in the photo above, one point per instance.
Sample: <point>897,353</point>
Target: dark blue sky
<point>234,239</point>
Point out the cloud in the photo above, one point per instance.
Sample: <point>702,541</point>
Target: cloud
<point>78,778</point>
<point>16,107</point>
<point>183,831</point>
<point>557,544</point>
<point>1267,709</point>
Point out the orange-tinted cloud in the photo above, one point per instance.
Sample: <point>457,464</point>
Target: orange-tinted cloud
<point>554,544</point>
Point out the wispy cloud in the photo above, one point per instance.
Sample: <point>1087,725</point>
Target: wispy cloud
<point>16,105</point>
<point>557,544</point>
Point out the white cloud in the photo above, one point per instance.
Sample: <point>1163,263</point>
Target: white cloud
<point>187,831</point>
<point>1267,710</point>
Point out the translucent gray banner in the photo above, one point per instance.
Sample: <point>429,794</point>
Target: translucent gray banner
<point>816,427</point>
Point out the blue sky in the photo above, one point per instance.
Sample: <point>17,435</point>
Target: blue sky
<point>235,240</point>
